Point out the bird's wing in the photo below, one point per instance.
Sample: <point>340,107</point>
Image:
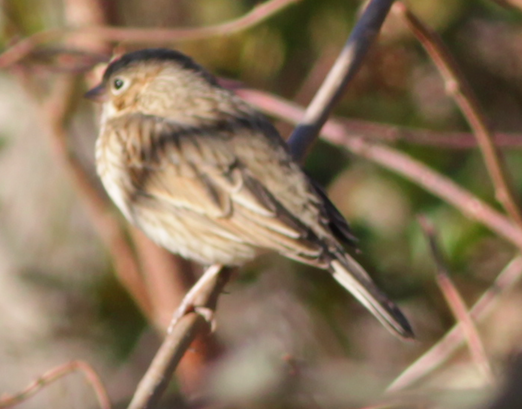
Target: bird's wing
<point>237,181</point>
<point>335,220</point>
<point>241,185</point>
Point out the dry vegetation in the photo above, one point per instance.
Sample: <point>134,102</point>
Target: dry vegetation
<point>430,126</point>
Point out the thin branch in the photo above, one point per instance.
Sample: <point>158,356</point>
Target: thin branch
<point>456,303</point>
<point>257,15</point>
<point>376,132</point>
<point>53,375</point>
<point>65,59</point>
<point>161,270</point>
<point>163,276</point>
<point>447,346</point>
<point>461,91</point>
<point>176,343</point>
<point>398,162</point>
<point>344,69</point>
<point>54,114</point>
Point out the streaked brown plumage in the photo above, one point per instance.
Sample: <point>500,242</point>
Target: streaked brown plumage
<point>206,176</point>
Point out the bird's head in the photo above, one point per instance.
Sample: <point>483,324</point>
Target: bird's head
<point>155,81</point>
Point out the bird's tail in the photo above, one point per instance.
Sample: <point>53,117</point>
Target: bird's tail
<point>353,277</point>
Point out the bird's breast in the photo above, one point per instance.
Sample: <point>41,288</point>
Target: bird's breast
<point>110,167</point>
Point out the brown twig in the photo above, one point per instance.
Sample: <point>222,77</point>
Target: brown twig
<point>65,59</point>
<point>456,303</point>
<point>397,162</point>
<point>168,277</point>
<point>176,343</point>
<point>163,277</point>
<point>53,375</point>
<point>448,345</point>
<point>54,115</point>
<point>463,94</point>
<point>257,15</point>
<point>375,132</point>
<point>338,78</point>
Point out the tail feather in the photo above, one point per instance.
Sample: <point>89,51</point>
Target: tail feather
<point>353,277</point>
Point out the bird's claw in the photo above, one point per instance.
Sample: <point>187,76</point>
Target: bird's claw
<point>205,312</point>
<point>209,316</point>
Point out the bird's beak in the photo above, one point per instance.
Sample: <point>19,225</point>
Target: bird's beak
<point>97,94</point>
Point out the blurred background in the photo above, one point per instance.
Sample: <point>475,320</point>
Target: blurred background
<point>287,335</point>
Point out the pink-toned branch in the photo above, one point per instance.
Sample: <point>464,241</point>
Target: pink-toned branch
<point>176,343</point>
<point>398,162</point>
<point>24,47</point>
<point>463,94</point>
<point>448,345</point>
<point>55,111</point>
<point>7,401</point>
<point>375,132</point>
<point>456,303</point>
<point>126,265</point>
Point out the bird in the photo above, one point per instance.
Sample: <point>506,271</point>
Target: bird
<point>206,176</point>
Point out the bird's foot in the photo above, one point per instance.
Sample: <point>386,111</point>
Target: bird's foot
<point>209,315</point>
<point>190,301</point>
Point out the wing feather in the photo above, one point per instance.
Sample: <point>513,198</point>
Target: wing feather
<point>228,191</point>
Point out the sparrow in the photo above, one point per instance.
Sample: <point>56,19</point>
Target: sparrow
<point>208,177</point>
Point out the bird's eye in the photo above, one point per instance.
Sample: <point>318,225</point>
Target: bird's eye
<point>119,85</point>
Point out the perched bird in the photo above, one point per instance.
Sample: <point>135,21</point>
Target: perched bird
<point>206,176</point>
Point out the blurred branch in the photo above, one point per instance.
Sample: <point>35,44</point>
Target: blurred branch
<point>346,66</point>
<point>64,59</point>
<point>54,114</point>
<point>176,343</point>
<point>398,162</point>
<point>162,286</point>
<point>461,91</point>
<point>258,14</point>
<point>53,375</point>
<point>456,303</point>
<point>162,276</point>
<point>372,131</point>
<point>165,278</point>
<point>444,349</point>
